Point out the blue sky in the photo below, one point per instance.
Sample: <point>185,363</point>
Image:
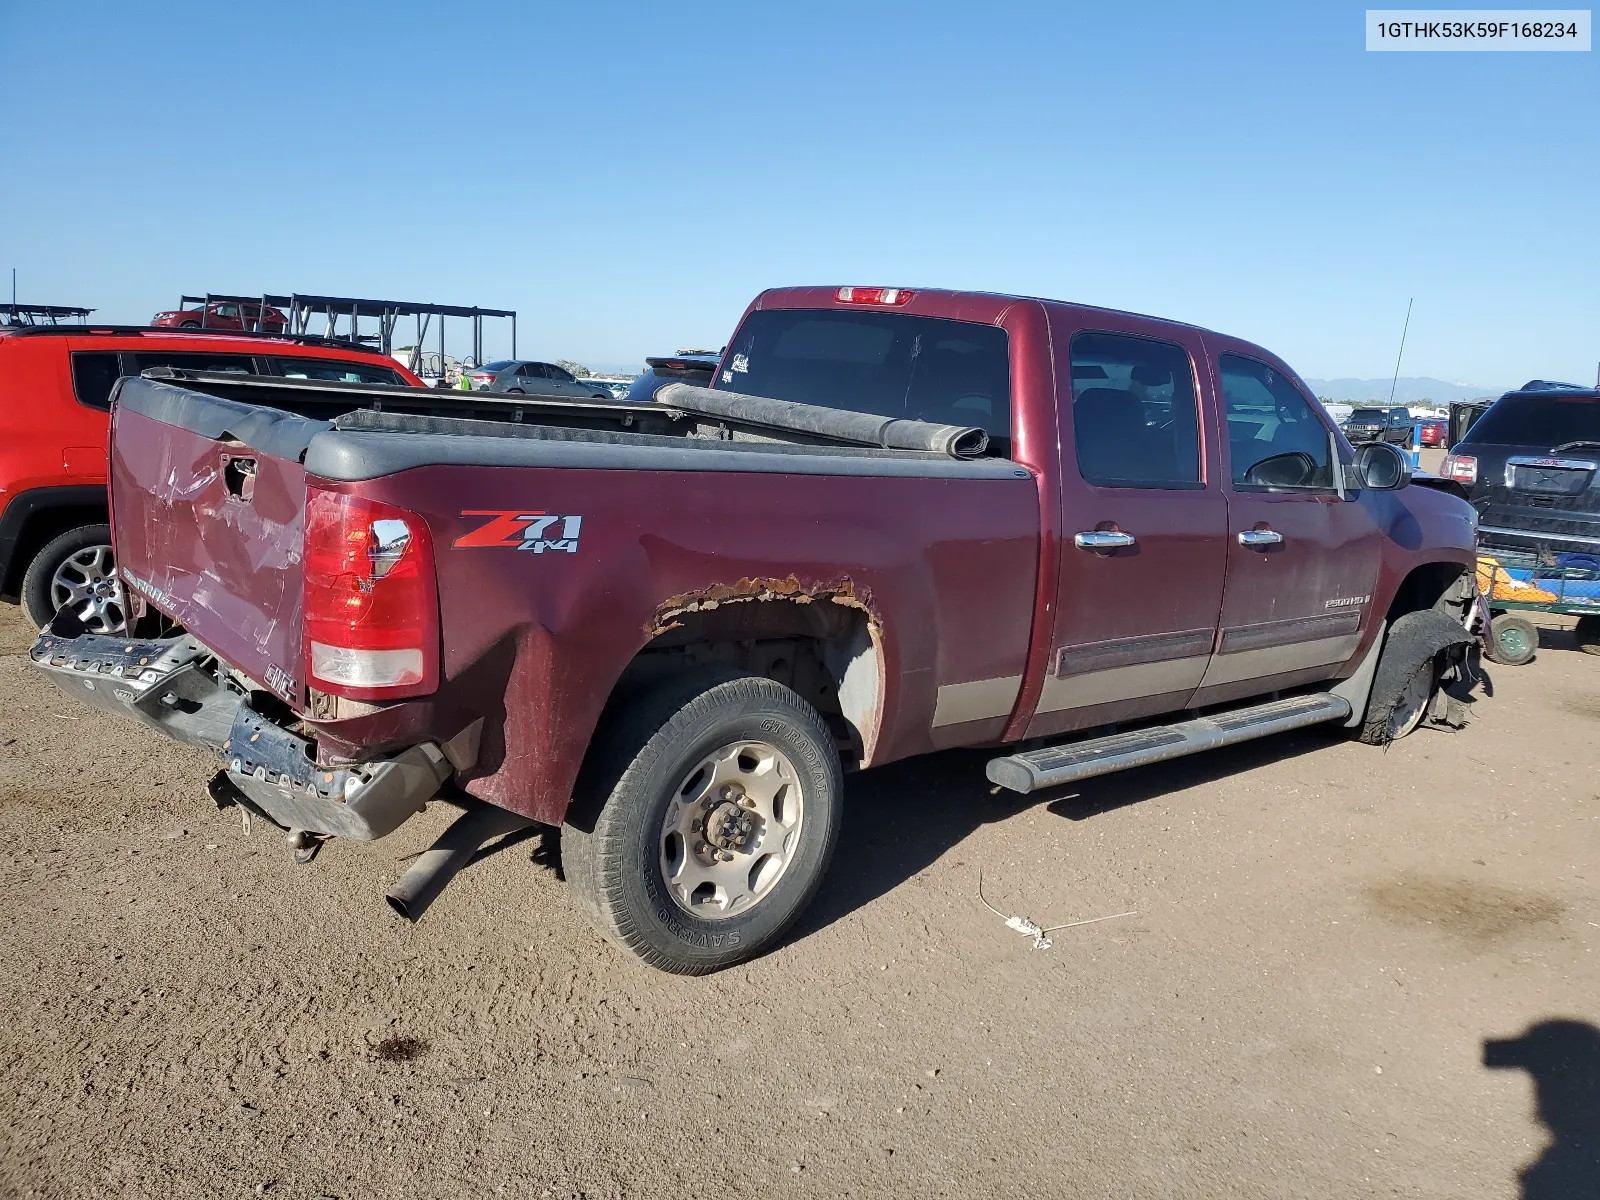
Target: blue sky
<point>628,176</point>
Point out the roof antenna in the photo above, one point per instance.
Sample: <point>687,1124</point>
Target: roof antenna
<point>1399,356</point>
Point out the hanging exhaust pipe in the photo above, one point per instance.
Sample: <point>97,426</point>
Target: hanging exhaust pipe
<point>436,866</point>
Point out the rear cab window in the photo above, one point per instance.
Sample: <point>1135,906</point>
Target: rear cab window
<point>887,364</point>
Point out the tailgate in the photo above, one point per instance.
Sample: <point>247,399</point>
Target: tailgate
<point>207,499</point>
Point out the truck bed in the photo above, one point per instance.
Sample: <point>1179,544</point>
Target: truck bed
<point>679,514</point>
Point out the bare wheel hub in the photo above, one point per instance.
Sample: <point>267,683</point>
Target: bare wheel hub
<point>730,829</point>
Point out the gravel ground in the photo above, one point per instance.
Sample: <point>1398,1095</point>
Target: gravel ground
<point>1326,936</point>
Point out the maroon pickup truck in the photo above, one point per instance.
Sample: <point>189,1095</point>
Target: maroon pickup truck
<point>899,521</point>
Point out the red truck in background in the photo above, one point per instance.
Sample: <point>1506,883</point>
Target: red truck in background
<point>55,397</point>
<point>900,521</point>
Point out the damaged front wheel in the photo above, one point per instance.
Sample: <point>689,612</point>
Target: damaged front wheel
<point>1422,651</point>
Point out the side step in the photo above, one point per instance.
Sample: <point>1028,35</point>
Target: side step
<point>1055,765</point>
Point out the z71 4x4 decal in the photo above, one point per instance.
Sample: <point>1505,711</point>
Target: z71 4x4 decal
<point>513,529</point>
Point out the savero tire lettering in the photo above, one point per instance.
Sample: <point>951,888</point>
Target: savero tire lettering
<point>516,529</point>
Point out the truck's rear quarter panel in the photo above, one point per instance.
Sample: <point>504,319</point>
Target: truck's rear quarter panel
<point>534,642</point>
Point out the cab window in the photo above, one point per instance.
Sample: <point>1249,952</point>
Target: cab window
<point>1275,440</point>
<point>331,369</point>
<point>226,364</point>
<point>1134,418</point>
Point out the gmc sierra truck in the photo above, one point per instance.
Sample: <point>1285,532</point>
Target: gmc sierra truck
<point>899,521</point>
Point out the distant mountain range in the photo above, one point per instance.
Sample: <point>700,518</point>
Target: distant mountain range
<point>1409,390</point>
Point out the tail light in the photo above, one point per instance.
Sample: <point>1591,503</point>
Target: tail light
<point>1463,468</point>
<point>874,295</point>
<point>371,604</point>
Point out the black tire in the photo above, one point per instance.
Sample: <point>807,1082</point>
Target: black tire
<point>515,392</point>
<point>612,843</point>
<point>1587,633</point>
<point>1513,640</point>
<point>189,325</point>
<point>37,598</point>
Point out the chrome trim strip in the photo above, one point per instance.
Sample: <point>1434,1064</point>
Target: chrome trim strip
<point>1534,460</point>
<point>1122,683</point>
<point>979,700</point>
<point>1538,537</point>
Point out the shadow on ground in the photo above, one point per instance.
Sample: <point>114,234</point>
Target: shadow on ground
<point>1563,1057</point>
<point>901,818</point>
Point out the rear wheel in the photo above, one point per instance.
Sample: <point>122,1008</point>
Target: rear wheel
<point>707,821</point>
<point>188,324</point>
<point>1588,634</point>
<point>515,392</point>
<point>1513,640</point>
<point>76,571</point>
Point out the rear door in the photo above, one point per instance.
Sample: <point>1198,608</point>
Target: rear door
<point>1144,523</point>
<point>1302,560</point>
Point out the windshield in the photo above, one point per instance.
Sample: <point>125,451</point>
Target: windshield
<point>1369,414</point>
<point>887,364</point>
<point>1544,421</point>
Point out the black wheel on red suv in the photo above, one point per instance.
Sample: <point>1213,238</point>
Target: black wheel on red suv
<point>76,570</point>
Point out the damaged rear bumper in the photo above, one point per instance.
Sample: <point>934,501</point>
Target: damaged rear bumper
<point>176,685</point>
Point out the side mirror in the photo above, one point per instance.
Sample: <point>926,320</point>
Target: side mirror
<point>1382,467</point>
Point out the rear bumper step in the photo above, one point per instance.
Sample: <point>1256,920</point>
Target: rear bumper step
<point>174,685</point>
<point>1056,765</point>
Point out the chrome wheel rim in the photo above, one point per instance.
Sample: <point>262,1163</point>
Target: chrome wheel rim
<point>86,585</point>
<point>1408,713</point>
<point>731,828</point>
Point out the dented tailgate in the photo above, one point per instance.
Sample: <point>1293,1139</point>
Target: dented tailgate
<point>208,498</point>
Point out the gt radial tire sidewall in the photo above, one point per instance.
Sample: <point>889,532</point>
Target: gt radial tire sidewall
<point>636,906</point>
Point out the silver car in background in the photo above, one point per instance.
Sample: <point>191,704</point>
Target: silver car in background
<point>519,376</point>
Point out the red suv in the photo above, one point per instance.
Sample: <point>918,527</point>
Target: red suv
<point>224,314</point>
<point>55,388</point>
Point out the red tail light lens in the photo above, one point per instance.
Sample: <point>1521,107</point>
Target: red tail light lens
<point>1463,468</point>
<point>874,295</point>
<point>371,601</point>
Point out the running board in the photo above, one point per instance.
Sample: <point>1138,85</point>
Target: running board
<point>1055,765</point>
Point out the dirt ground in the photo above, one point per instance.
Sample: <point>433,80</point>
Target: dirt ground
<point>1326,936</point>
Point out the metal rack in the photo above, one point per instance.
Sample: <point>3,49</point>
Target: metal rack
<point>301,310</point>
<point>42,314</point>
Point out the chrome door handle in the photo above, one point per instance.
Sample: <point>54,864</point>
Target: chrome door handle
<point>1102,539</point>
<point>1260,537</point>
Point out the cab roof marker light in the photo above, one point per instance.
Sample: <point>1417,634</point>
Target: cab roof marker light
<point>895,297</point>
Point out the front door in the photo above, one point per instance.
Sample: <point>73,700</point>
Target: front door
<point>1302,560</point>
<point>1143,528</point>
